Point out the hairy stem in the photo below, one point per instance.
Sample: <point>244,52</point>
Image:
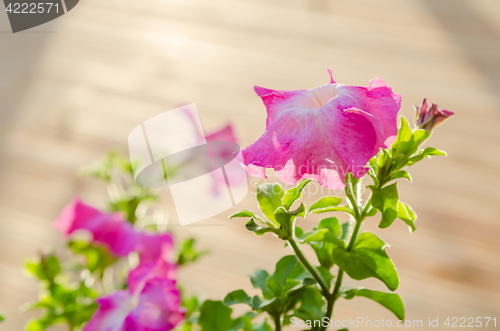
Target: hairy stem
<point>358,218</point>
<point>309,267</point>
<point>277,322</point>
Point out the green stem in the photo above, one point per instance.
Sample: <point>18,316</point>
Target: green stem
<point>277,322</point>
<point>354,235</point>
<point>358,218</point>
<point>309,267</point>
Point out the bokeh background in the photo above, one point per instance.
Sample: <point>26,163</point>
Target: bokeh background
<point>73,88</point>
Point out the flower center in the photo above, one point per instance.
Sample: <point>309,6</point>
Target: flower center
<point>322,94</point>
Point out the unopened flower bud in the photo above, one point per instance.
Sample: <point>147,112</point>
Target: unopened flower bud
<point>428,118</point>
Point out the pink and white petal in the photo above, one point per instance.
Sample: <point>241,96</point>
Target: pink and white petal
<point>158,308</point>
<point>295,146</point>
<point>149,270</point>
<point>152,247</point>
<point>254,170</point>
<point>277,102</point>
<point>354,135</point>
<point>377,100</point>
<point>111,314</point>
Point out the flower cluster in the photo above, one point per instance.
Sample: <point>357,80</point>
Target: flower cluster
<point>151,301</point>
<point>112,231</point>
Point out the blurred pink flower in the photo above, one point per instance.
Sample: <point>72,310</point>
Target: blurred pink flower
<point>325,132</point>
<point>428,118</point>
<point>222,147</point>
<point>151,302</point>
<point>112,231</point>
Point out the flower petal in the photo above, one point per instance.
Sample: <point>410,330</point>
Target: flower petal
<point>152,247</point>
<point>295,146</point>
<point>354,135</point>
<point>111,314</point>
<point>77,215</point>
<point>138,277</point>
<point>158,309</point>
<point>377,100</point>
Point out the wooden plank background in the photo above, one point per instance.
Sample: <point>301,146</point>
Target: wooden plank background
<point>73,88</point>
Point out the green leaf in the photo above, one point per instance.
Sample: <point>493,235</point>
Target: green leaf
<point>404,132</point>
<point>368,259</point>
<point>293,194</point>
<point>372,212</point>
<point>262,326</point>
<point>2,318</point>
<point>384,160</point>
<point>345,230</point>
<point>236,297</point>
<point>424,154</point>
<point>259,303</point>
<point>259,280</point>
<point>326,275</point>
<point>97,257</point>
<point>257,229</point>
<point>188,253</point>
<point>245,213</point>
<point>325,203</point>
<point>386,201</point>
<point>331,223</point>
<point>283,268</point>
<point>312,304</point>
<point>391,301</point>
<point>47,267</point>
<point>325,235</point>
<point>269,197</point>
<point>324,252</point>
<point>215,316</point>
<point>407,215</point>
<point>189,302</point>
<point>401,174</point>
<point>286,219</point>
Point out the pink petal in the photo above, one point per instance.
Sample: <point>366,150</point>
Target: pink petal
<point>355,136</point>
<point>153,247</point>
<point>148,270</point>
<point>377,100</point>
<point>77,215</point>
<point>158,309</point>
<point>111,314</point>
<point>118,236</point>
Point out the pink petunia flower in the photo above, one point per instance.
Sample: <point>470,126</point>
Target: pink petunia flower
<point>325,132</point>
<point>112,231</point>
<point>222,148</point>
<point>151,302</point>
<point>428,118</point>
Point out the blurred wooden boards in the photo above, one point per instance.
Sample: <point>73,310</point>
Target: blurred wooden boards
<point>70,95</point>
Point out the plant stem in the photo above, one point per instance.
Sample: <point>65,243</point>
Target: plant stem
<point>358,218</point>
<point>309,267</point>
<point>277,322</point>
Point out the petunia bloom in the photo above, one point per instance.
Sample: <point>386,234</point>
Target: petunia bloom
<point>112,231</point>
<point>325,132</point>
<point>151,302</point>
<point>428,118</point>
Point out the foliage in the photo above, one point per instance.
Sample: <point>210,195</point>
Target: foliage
<point>297,288</point>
